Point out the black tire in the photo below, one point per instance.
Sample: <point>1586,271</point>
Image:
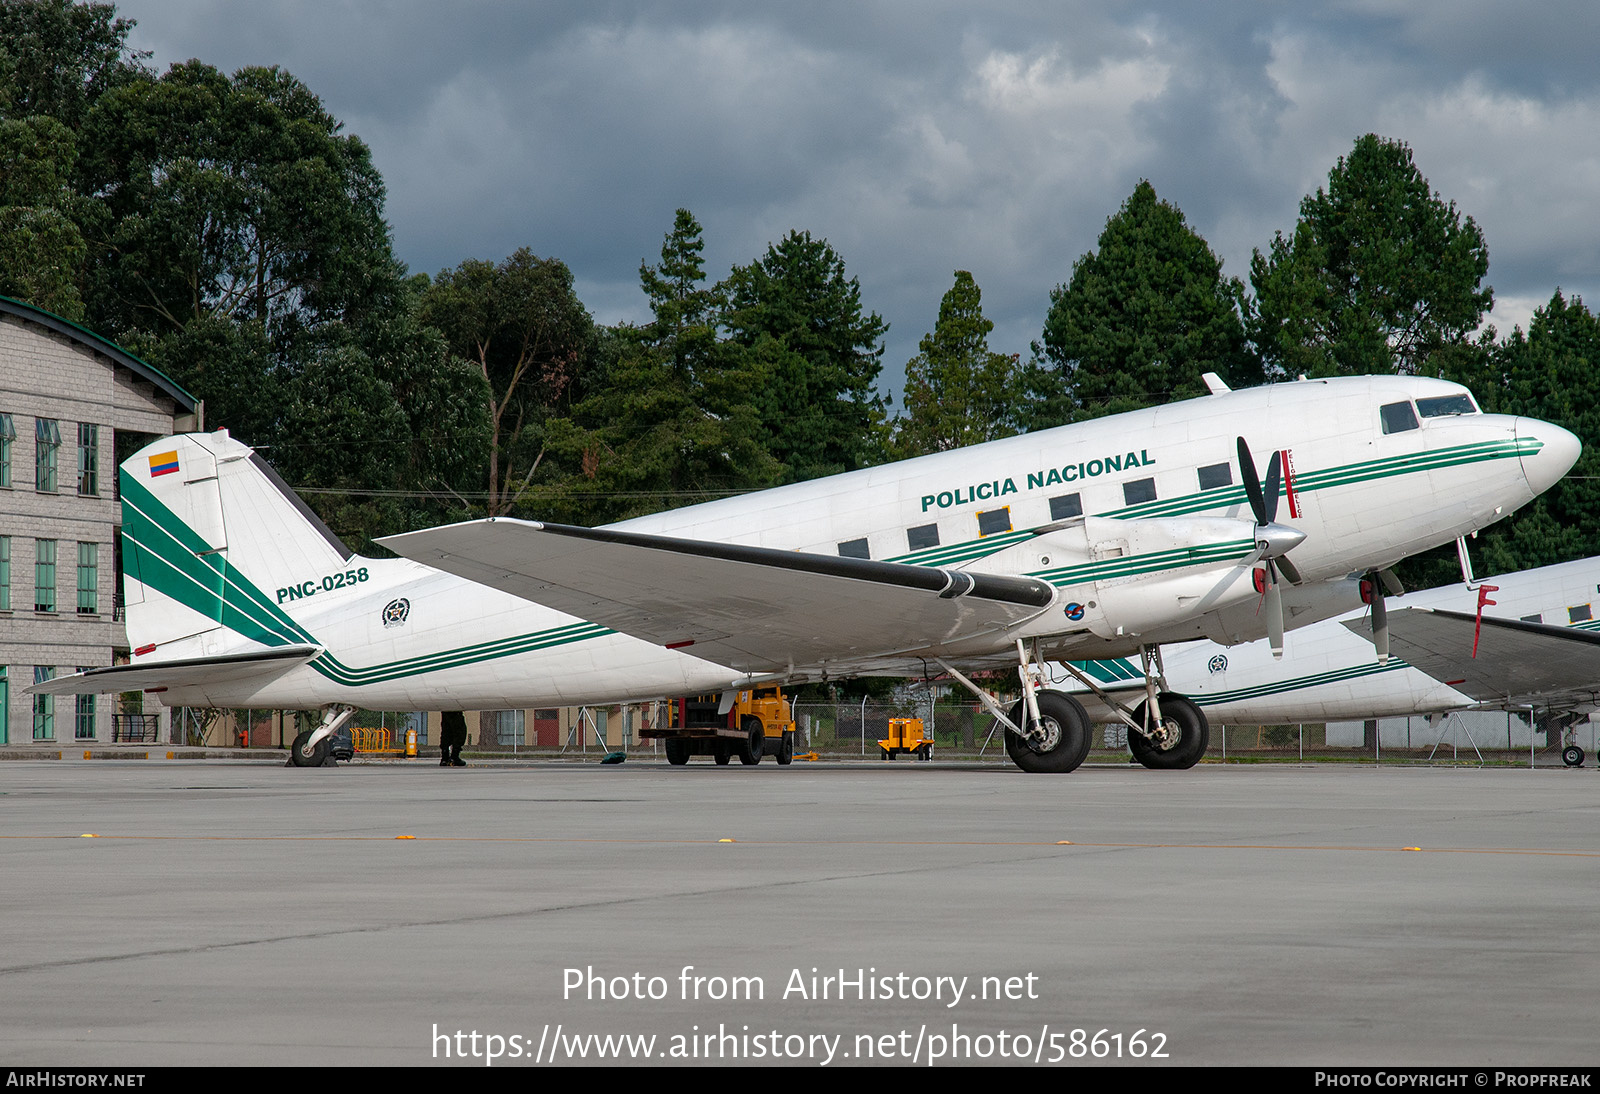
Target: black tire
<point>301,756</point>
<point>677,752</point>
<point>754,742</point>
<point>786,750</point>
<point>1191,735</point>
<point>1572,756</point>
<point>721,755</point>
<point>1066,735</point>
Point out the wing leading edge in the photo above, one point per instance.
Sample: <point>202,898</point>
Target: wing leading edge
<point>756,609</point>
<point>1517,662</point>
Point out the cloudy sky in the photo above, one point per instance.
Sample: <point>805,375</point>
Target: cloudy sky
<point>922,138</point>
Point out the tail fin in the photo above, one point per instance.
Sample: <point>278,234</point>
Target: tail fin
<point>212,539</point>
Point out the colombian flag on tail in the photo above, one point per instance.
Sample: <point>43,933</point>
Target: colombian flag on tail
<point>163,463</point>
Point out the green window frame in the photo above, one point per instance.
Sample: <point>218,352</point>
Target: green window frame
<point>8,433</point>
<point>44,575</point>
<point>44,706</point>
<point>46,453</point>
<point>5,573</point>
<point>83,718</point>
<point>88,459</point>
<point>88,578</point>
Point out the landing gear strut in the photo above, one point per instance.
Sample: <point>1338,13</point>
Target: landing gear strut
<point>310,749</point>
<point>1048,731</point>
<point>1168,731</point>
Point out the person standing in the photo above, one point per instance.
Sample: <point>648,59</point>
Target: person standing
<point>452,738</point>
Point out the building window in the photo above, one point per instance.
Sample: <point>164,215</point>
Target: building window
<point>83,718</point>
<point>1138,491</point>
<point>88,459</point>
<point>994,520</point>
<point>923,537</point>
<point>44,575</point>
<point>5,573</point>
<point>88,578</point>
<point>855,548</point>
<point>44,706</point>
<point>8,433</point>
<point>46,449</point>
<point>1216,476</point>
<point>1066,507</point>
<point>510,727</point>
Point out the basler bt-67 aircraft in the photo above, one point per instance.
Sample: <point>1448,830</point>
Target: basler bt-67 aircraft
<point>1096,540</point>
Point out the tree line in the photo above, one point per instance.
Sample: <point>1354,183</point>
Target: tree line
<point>226,229</point>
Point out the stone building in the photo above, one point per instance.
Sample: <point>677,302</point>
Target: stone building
<point>72,406</point>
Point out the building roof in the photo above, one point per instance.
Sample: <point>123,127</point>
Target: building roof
<point>89,339</point>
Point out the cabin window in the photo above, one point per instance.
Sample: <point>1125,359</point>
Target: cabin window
<point>1397,417</point>
<point>922,537</point>
<point>1579,614</point>
<point>1534,618</point>
<point>994,520</point>
<point>1066,506</point>
<point>1444,406</point>
<point>1139,491</point>
<point>855,548</point>
<point>1216,476</point>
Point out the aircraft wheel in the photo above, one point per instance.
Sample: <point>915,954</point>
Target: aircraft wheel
<point>677,752</point>
<point>302,755</point>
<point>786,750</point>
<point>1572,756</point>
<point>1183,737</point>
<point>755,742</point>
<point>1063,739</point>
<point>721,755</point>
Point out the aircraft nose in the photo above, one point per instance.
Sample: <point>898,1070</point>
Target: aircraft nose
<point>1556,452</point>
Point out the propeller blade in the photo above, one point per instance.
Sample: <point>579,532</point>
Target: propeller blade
<point>1391,583</point>
<point>1274,470</point>
<point>1274,605</point>
<point>1380,629</point>
<point>1252,482</point>
<point>1288,570</point>
<point>1380,614</point>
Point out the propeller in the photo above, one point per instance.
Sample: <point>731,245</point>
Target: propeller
<point>1273,540</point>
<point>1373,587</point>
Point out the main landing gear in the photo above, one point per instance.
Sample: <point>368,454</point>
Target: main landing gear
<point>1050,730</point>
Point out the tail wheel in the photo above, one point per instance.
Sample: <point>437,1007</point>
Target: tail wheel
<point>754,742</point>
<point>1061,740</point>
<point>304,754</point>
<point>1178,742</point>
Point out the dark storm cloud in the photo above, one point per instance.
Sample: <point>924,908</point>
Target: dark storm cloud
<point>922,138</point>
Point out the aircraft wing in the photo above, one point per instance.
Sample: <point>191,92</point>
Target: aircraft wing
<point>1517,663</point>
<point>755,609</point>
<point>190,672</point>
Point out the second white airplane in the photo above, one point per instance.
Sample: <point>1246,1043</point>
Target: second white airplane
<point>1097,540</point>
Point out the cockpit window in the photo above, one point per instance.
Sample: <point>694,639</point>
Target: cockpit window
<point>1444,406</point>
<point>1398,417</point>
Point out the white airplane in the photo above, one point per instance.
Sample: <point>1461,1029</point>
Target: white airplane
<point>1537,644</point>
<point>1100,539</point>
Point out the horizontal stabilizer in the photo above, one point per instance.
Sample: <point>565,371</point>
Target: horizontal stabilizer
<point>756,609</point>
<point>196,672</point>
<point>1517,662</point>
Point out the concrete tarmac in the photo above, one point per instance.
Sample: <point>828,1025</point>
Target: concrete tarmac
<point>178,912</point>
